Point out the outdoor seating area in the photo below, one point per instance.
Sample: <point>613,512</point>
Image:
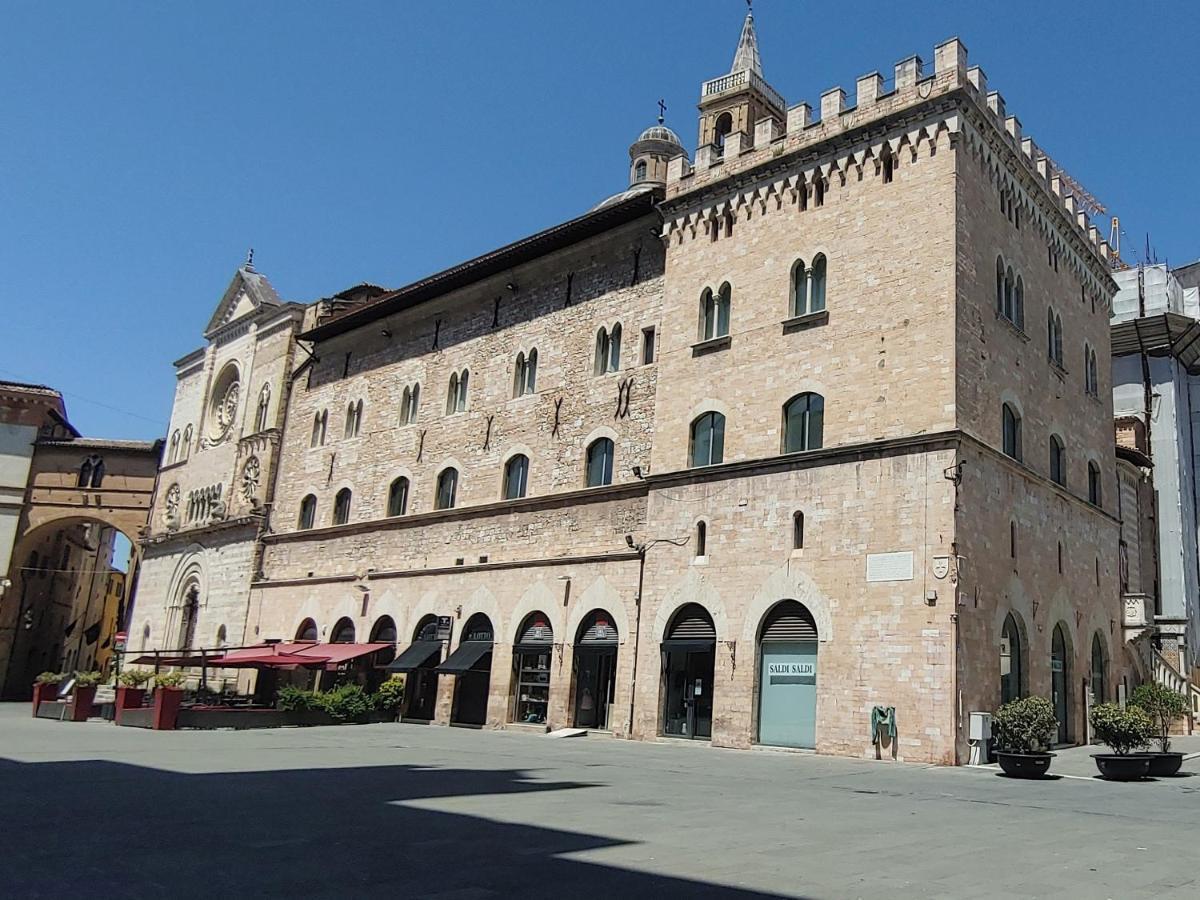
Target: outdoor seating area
<point>293,684</point>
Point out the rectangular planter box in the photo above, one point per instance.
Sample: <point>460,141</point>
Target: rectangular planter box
<point>137,718</point>
<point>43,693</point>
<point>81,703</point>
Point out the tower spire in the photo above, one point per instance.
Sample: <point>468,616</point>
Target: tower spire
<point>746,56</point>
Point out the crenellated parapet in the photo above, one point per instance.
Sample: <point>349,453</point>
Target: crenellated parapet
<point>780,161</point>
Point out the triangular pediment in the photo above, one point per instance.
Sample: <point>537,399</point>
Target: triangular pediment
<point>247,293</point>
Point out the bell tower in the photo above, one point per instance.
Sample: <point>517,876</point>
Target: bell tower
<point>735,102</point>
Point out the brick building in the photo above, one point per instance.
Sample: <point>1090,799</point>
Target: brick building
<point>762,443</point>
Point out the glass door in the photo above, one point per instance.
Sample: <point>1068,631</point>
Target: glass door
<point>595,679</point>
<point>688,697</point>
<point>533,687</point>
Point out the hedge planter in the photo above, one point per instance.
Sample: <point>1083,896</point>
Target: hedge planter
<point>1164,765</point>
<point>1122,767</point>
<point>44,693</point>
<point>166,707</point>
<point>1024,765</point>
<point>81,702</point>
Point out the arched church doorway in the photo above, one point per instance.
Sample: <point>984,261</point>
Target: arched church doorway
<point>688,662</point>
<point>787,678</point>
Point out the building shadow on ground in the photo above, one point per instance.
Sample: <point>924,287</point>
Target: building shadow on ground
<point>104,829</point>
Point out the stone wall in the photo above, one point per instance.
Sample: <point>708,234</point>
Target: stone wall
<point>553,426</point>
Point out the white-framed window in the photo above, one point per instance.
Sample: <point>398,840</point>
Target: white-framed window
<point>808,286</point>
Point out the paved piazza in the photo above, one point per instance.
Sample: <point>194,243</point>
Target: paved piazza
<point>410,811</point>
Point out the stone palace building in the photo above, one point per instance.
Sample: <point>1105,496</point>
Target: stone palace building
<point>816,422</point>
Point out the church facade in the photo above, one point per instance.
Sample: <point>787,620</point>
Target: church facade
<point>777,440</point>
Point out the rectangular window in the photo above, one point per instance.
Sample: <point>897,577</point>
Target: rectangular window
<point>648,347</point>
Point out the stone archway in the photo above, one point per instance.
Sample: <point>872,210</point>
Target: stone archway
<point>81,493</point>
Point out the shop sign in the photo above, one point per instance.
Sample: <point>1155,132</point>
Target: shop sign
<point>445,625</point>
<point>792,673</point>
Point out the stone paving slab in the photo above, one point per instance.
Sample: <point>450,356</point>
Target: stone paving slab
<point>401,811</point>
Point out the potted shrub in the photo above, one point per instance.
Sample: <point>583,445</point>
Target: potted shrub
<point>346,703</point>
<point>1123,730</point>
<point>45,688</point>
<point>302,707</point>
<point>168,695</point>
<point>1164,706</point>
<point>131,689</point>
<point>83,694</point>
<point>1023,729</point>
<point>389,697</point>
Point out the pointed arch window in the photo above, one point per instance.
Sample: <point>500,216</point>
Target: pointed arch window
<point>263,409</point>
<point>354,412</point>
<point>320,420</point>
<point>1019,303</point>
<point>456,396</point>
<point>185,447</point>
<point>91,472</point>
<point>341,507</point>
<point>1094,489</point>
<point>600,462</point>
<point>804,423</point>
<point>525,373</point>
<point>714,312</point>
<point>447,489</point>
<point>1058,461</point>
<point>1091,373</point>
<point>398,497</point>
<point>516,477</point>
<point>1008,310</point>
<point>1011,427</point>
<point>707,445</point>
<point>999,286</point>
<point>409,402</point>
<point>173,452</point>
<point>887,166</point>
<point>1054,340</point>
<point>608,350</point>
<point>308,512</point>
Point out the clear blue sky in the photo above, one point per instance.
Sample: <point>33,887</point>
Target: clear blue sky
<point>145,146</point>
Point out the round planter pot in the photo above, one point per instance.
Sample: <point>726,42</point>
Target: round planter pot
<point>1024,765</point>
<point>1164,765</point>
<point>1122,768</point>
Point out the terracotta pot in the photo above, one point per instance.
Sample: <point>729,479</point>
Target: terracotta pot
<point>166,707</point>
<point>129,698</point>
<point>1115,767</point>
<point>81,702</point>
<point>1024,765</point>
<point>44,693</point>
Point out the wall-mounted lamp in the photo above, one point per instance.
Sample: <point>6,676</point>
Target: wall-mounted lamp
<point>637,472</point>
<point>458,611</point>
<point>386,332</point>
<point>512,286</point>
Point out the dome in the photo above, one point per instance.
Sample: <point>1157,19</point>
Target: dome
<point>660,133</point>
<point>621,196</point>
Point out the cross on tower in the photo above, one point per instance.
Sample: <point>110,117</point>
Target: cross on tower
<point>662,109</point>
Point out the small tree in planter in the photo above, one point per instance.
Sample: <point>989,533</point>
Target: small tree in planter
<point>83,695</point>
<point>390,696</point>
<point>1023,730</point>
<point>167,698</point>
<point>346,703</point>
<point>1164,706</point>
<point>131,689</point>
<point>45,688</point>
<point>1123,730</point>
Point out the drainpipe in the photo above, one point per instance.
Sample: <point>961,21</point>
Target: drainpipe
<point>637,629</point>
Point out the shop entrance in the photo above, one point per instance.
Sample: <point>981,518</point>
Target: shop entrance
<point>419,664</point>
<point>787,678</point>
<point>688,659</point>
<point>1059,681</point>
<point>471,664</point>
<point>531,670</point>
<point>595,668</point>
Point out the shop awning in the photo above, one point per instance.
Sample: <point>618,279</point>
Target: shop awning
<point>292,654</point>
<point>467,654</point>
<point>246,660</point>
<point>417,654</point>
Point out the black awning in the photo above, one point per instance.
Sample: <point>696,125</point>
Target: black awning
<point>677,646</point>
<point>467,654</point>
<point>417,654</point>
